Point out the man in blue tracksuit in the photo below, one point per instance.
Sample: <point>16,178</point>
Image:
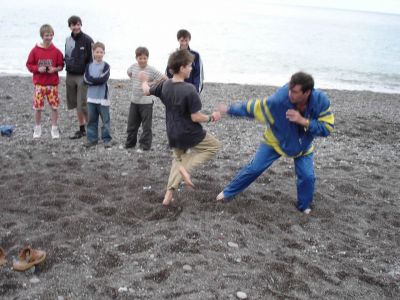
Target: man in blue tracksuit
<point>295,115</point>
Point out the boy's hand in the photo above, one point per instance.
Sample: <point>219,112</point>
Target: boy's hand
<point>222,108</point>
<point>129,74</point>
<point>52,70</point>
<point>42,69</point>
<point>216,116</point>
<point>143,76</point>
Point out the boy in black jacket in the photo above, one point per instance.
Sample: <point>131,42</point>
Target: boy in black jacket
<point>78,54</point>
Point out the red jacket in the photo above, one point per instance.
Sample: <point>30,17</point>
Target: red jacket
<point>48,57</point>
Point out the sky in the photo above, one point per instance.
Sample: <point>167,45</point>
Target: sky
<point>383,6</point>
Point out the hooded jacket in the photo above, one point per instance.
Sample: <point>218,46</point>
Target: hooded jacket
<point>47,57</point>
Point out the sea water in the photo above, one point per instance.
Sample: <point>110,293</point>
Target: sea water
<point>247,42</point>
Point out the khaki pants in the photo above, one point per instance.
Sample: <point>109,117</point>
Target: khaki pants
<point>76,93</point>
<point>200,153</point>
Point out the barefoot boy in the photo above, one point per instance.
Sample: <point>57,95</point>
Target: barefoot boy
<point>45,61</point>
<point>183,118</point>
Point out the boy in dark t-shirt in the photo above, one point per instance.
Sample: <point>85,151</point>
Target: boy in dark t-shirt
<point>183,118</point>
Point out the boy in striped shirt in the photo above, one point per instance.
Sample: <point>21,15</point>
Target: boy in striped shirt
<point>141,108</point>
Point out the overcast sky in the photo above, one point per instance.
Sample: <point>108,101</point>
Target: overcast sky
<point>386,6</point>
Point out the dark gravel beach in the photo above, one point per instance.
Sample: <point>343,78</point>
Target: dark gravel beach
<point>97,212</point>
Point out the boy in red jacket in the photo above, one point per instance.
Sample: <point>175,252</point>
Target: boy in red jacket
<point>45,61</point>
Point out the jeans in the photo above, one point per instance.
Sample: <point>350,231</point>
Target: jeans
<point>94,111</point>
<point>265,156</point>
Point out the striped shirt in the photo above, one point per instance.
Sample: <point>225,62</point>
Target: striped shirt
<point>137,95</point>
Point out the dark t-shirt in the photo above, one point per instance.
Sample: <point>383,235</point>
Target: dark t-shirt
<point>181,100</point>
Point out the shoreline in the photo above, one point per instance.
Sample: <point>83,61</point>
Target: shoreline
<point>389,92</point>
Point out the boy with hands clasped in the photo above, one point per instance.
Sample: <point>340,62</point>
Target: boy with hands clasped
<point>45,61</point>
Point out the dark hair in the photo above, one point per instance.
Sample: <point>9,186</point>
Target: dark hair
<point>305,80</point>
<point>74,20</point>
<point>99,45</point>
<point>142,51</point>
<point>183,33</point>
<point>178,59</point>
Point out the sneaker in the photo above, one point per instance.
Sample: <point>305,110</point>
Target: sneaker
<point>90,144</point>
<point>221,197</point>
<point>77,135</point>
<point>37,132</point>
<point>107,145</point>
<point>307,211</point>
<point>129,146</point>
<point>55,133</point>
<point>139,150</point>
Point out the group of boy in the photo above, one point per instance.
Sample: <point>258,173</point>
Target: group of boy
<point>295,114</point>
<point>86,85</point>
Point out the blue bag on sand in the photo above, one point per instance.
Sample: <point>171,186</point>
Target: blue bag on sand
<point>6,130</point>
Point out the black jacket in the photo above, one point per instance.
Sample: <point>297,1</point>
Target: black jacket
<point>78,53</point>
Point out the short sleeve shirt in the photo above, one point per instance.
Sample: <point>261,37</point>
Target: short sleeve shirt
<point>181,100</point>
<point>137,91</point>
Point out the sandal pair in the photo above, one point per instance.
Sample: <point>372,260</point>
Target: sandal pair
<point>27,258</point>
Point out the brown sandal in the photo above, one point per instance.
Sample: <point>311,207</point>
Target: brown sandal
<point>28,258</point>
<point>3,260</point>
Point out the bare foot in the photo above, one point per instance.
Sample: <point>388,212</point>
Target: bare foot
<point>186,177</point>
<point>221,197</point>
<point>168,198</point>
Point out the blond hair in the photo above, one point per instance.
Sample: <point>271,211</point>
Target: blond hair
<point>46,28</point>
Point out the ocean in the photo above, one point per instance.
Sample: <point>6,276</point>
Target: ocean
<point>246,42</point>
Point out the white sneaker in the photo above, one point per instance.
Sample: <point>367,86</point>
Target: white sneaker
<point>55,133</point>
<point>139,150</point>
<point>37,132</point>
<point>307,211</point>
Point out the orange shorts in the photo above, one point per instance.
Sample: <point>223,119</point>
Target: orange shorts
<point>48,91</point>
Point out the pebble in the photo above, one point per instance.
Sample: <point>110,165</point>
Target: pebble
<point>60,298</point>
<point>233,245</point>
<point>241,295</point>
<point>169,263</point>
<point>151,256</point>
<point>187,268</point>
<point>124,174</point>
<point>34,280</point>
<point>123,289</point>
<point>120,147</point>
